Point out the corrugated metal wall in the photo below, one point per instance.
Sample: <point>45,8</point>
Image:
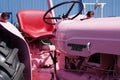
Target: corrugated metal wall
<point>15,5</point>
<point>64,8</point>
<point>110,9</point>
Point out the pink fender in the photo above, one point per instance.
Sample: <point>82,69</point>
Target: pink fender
<point>21,44</point>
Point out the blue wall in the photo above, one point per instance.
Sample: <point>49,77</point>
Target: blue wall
<point>110,9</point>
<point>64,8</point>
<point>16,5</point>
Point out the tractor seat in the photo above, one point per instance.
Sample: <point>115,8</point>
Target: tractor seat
<point>32,24</point>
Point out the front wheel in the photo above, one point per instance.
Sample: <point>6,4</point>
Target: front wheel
<point>10,66</point>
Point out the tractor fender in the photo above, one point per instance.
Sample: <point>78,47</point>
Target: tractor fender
<point>24,52</point>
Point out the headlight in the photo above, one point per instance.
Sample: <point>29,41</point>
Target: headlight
<point>5,15</point>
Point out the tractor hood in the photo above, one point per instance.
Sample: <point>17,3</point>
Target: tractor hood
<point>86,37</point>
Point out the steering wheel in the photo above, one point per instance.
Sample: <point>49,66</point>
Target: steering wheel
<point>46,19</point>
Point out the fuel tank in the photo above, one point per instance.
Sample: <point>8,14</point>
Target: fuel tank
<point>89,36</point>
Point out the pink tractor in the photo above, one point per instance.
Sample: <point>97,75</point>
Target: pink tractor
<point>67,47</point>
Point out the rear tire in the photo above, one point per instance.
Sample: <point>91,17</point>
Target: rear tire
<point>10,66</point>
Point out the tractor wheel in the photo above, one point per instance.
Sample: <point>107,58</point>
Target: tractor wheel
<point>10,66</point>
